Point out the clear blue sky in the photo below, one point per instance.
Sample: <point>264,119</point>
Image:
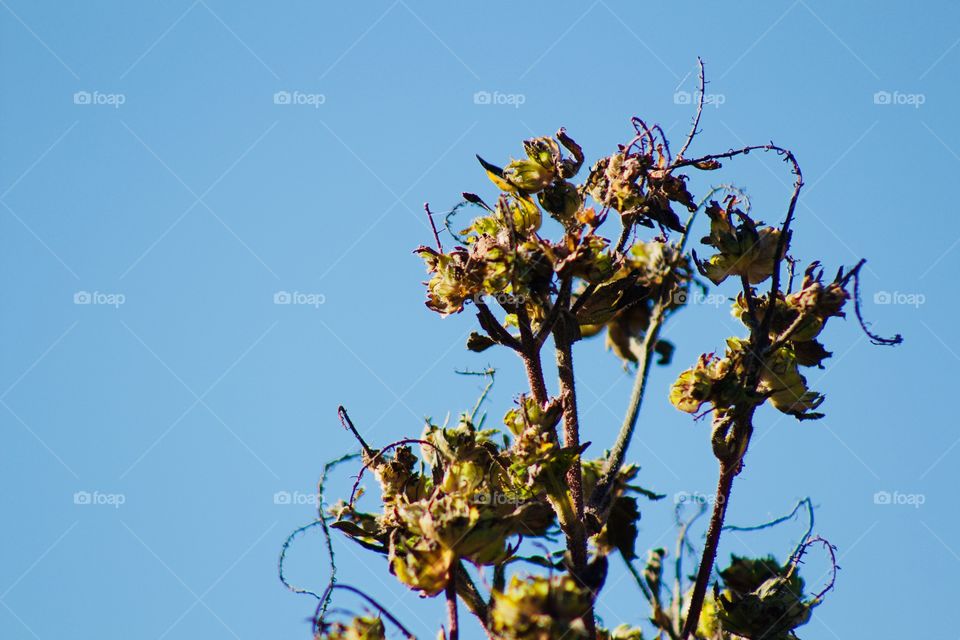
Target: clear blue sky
<point>146,162</point>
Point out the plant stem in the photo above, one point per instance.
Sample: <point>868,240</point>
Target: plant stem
<point>571,422</point>
<point>467,590</point>
<point>727,473</point>
<point>577,536</point>
<point>452,608</point>
<point>599,500</point>
<point>530,352</point>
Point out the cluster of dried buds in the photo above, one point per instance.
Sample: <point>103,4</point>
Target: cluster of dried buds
<point>470,496</point>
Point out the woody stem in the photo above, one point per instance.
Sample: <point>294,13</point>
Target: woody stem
<point>452,617</point>
<point>724,486</point>
<point>576,536</point>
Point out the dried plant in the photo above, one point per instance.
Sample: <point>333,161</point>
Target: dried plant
<point>465,495</point>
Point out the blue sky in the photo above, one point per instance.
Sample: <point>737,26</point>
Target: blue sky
<point>168,168</point>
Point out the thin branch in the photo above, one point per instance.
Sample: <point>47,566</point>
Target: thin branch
<point>782,244</point>
<point>490,324</point>
<point>322,517</point>
<point>433,225</point>
<point>832,550</point>
<point>639,579</point>
<point>467,590</point>
<point>322,522</point>
<point>696,119</point>
<point>490,373</point>
<point>348,425</point>
<point>599,501</point>
<point>283,558</point>
<point>787,333</point>
<point>772,523</point>
<point>874,338</point>
<point>376,605</point>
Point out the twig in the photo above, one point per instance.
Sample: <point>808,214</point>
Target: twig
<point>467,590</point>
<point>490,373</point>
<point>784,337</point>
<point>348,425</point>
<point>599,501</point>
<point>433,225</point>
<point>322,522</point>
<point>639,579</point>
<point>383,611</point>
<point>490,324</point>
<point>696,119</point>
<point>283,557</point>
<point>874,338</point>
<point>780,520</point>
<point>781,245</point>
<point>832,550</point>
